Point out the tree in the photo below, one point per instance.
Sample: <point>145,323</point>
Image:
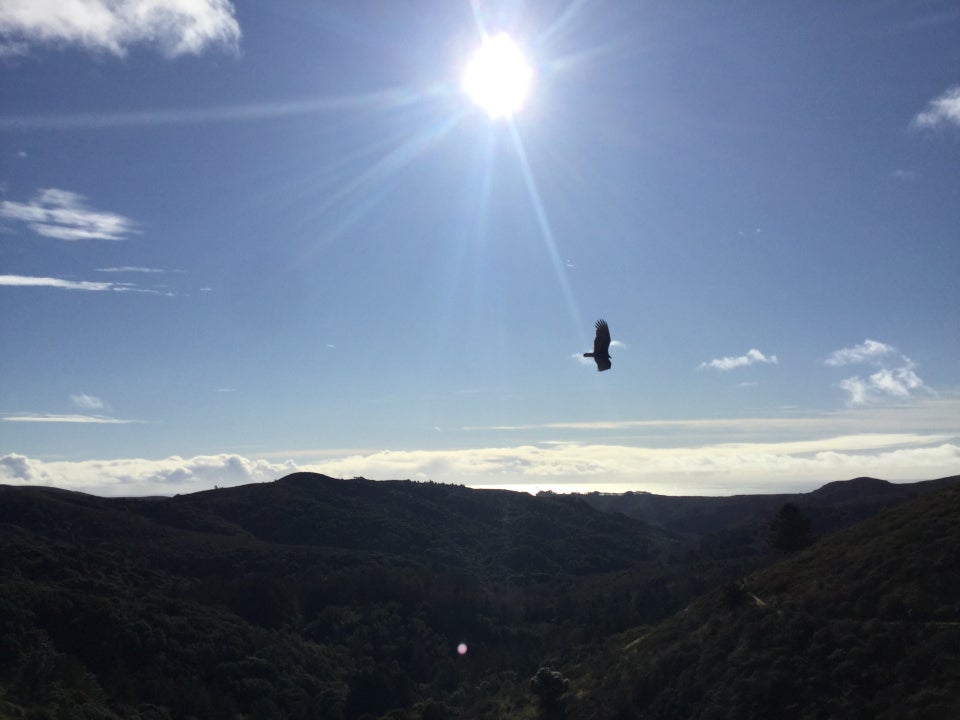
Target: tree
<point>549,685</point>
<point>789,529</point>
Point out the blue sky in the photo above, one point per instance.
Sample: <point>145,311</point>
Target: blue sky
<point>243,238</point>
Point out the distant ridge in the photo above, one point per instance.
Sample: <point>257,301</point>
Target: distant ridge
<point>834,505</point>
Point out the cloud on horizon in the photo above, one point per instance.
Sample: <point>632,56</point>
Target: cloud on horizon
<point>140,477</point>
<point>944,110</point>
<point>65,215</point>
<point>175,27</point>
<point>752,357</point>
<point>725,468</point>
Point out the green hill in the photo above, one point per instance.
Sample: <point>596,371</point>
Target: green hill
<point>864,624</point>
<point>311,597</point>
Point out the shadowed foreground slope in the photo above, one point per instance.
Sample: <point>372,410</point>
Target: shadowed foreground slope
<point>311,597</point>
<point>864,624</point>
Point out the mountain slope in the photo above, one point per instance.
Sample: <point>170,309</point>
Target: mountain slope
<point>866,623</point>
<point>492,531</point>
<point>313,597</point>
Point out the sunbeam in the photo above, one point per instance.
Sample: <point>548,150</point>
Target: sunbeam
<point>378,100</point>
<point>544,223</point>
<point>360,193</point>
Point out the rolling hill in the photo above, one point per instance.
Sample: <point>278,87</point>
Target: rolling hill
<point>314,597</point>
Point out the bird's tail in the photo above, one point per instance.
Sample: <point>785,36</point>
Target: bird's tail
<point>588,354</point>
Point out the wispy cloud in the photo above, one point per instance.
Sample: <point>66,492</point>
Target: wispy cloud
<point>87,402</point>
<point>931,414</point>
<point>896,377</point>
<point>29,281</point>
<point>133,269</point>
<point>54,418</point>
<point>752,357</point>
<point>176,27</point>
<point>909,176</point>
<point>89,285</point>
<point>944,110</point>
<point>65,215</point>
<point>868,351</point>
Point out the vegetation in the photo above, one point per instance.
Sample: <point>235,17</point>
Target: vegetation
<point>864,624</point>
<point>318,598</point>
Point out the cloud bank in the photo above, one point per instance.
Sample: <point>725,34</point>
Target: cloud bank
<point>752,357</point>
<point>65,215</point>
<point>140,477</point>
<point>725,468</point>
<point>944,110</point>
<point>175,27</point>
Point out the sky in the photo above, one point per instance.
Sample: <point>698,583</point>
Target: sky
<point>240,238</point>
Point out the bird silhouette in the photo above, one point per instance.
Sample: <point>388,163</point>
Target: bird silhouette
<point>601,347</point>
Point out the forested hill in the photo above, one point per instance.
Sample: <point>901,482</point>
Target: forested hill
<point>488,531</point>
<point>311,597</point>
<point>835,505</point>
<point>863,624</point>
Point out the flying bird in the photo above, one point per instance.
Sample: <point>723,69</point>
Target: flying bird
<point>601,347</point>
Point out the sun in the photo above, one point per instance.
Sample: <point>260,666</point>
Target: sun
<point>498,77</point>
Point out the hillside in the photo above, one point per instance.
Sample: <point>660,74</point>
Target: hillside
<point>834,505</point>
<point>313,597</point>
<point>489,531</point>
<point>864,624</point>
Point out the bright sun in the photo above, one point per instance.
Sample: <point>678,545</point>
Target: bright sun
<point>498,77</point>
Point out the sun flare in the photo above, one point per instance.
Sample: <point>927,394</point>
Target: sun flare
<point>498,77</point>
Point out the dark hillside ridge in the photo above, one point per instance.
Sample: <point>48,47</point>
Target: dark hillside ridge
<point>488,530</point>
<point>832,506</point>
<point>314,597</point>
<point>863,624</point>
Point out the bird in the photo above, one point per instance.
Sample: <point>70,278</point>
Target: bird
<point>601,346</point>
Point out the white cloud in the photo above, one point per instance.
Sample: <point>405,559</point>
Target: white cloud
<point>752,357</point>
<point>54,418</point>
<point>944,110</point>
<point>87,402</point>
<point>713,469</point>
<point>139,476</point>
<point>899,382</point>
<point>65,215</point>
<point>895,378</point>
<point>28,281</point>
<point>90,285</point>
<point>869,351</point>
<point>176,27</point>
<point>857,389</point>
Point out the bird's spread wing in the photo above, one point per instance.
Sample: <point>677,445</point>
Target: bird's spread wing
<point>601,343</point>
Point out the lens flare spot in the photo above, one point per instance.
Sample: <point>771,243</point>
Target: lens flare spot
<point>462,649</point>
